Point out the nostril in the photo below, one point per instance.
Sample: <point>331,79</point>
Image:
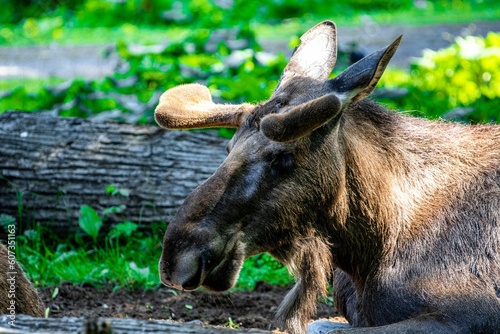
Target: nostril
<point>185,272</point>
<point>193,281</point>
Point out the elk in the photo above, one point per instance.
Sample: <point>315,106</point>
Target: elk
<point>17,295</point>
<point>402,213</point>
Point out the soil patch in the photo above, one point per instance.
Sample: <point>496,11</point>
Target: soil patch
<point>247,309</point>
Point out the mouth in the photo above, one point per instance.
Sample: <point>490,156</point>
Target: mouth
<point>224,276</point>
<point>193,270</point>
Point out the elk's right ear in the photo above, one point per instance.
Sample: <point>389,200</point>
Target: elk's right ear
<point>359,79</point>
<point>190,106</point>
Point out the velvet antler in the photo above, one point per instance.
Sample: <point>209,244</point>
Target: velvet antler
<point>191,106</point>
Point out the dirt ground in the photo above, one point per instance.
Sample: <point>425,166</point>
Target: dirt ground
<point>247,309</point>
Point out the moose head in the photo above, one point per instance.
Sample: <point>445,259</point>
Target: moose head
<point>277,189</point>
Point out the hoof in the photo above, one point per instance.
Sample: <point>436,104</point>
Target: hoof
<point>324,326</point>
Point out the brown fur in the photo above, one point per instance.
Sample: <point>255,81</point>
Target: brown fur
<point>403,212</point>
<point>427,196</point>
<point>24,295</point>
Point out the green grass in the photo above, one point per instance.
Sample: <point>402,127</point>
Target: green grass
<point>31,85</point>
<point>22,36</point>
<point>125,261</point>
<point>123,257</point>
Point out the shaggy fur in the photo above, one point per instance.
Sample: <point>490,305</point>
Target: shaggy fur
<point>417,224</point>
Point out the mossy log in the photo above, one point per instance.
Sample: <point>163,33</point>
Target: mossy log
<point>51,166</point>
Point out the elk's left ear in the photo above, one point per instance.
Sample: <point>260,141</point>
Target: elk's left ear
<point>359,80</point>
<point>301,119</point>
<point>314,58</point>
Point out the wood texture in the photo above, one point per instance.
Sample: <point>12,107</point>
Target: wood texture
<point>26,324</point>
<point>51,166</point>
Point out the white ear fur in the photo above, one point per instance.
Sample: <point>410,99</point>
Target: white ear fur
<point>315,57</point>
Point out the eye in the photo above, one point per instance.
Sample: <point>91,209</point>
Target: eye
<point>282,163</point>
<point>280,103</point>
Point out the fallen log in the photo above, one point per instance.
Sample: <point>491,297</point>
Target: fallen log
<point>27,324</point>
<point>51,166</point>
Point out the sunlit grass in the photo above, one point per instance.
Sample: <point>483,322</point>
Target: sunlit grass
<point>408,17</point>
<point>20,36</point>
<point>131,263</point>
<point>31,85</point>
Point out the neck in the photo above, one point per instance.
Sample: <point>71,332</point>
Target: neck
<point>398,173</point>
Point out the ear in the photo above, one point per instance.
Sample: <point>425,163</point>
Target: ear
<point>315,57</point>
<point>359,80</point>
<point>190,106</point>
<point>300,120</point>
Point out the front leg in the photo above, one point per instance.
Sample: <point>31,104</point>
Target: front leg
<point>346,297</point>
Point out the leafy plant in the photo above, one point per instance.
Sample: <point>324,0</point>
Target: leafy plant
<point>126,258</point>
<point>463,75</point>
<point>263,267</point>
<point>113,189</point>
<point>90,222</point>
<point>232,324</point>
<point>125,229</point>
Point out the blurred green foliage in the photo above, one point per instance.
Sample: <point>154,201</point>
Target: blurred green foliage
<point>461,82</point>
<point>100,21</point>
<point>202,13</point>
<point>230,62</point>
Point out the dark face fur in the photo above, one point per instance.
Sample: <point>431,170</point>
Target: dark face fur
<point>257,201</point>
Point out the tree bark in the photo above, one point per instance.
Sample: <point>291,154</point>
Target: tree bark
<point>51,166</point>
<point>27,324</point>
